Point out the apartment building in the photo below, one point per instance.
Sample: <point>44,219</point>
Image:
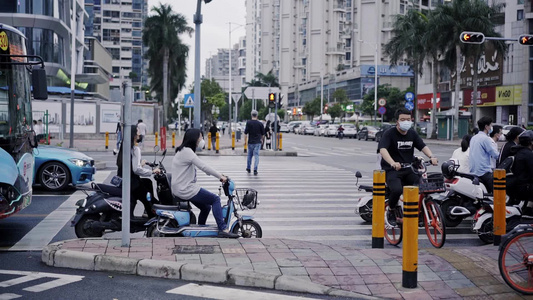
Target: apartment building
<point>217,67</point>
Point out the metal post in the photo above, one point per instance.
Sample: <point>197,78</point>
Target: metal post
<point>229,81</point>
<point>376,85</point>
<point>410,237</point>
<point>378,204</point>
<point>197,86</point>
<point>499,206</point>
<point>126,166</point>
<point>72,71</point>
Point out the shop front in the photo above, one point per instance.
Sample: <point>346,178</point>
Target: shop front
<point>500,103</point>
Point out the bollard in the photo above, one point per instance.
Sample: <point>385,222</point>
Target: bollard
<point>106,139</point>
<point>209,141</point>
<point>217,144</point>
<point>233,140</point>
<point>499,206</point>
<point>280,141</point>
<point>410,237</point>
<point>156,137</point>
<point>173,140</point>
<point>245,144</point>
<point>378,207</point>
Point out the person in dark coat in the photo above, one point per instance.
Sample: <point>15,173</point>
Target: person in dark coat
<point>512,140</point>
<point>520,184</point>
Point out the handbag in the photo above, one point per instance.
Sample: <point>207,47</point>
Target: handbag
<point>116,181</point>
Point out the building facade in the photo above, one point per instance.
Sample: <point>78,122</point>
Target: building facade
<point>217,67</point>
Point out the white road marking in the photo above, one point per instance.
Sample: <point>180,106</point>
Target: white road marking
<point>9,296</point>
<point>215,292</point>
<point>60,280</point>
<point>44,232</point>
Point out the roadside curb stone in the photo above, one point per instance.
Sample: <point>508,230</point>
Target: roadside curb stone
<point>251,279</point>
<point>205,273</point>
<point>159,268</point>
<point>74,260</point>
<point>124,265</point>
<point>290,283</point>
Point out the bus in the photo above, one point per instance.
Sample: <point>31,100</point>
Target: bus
<point>17,137</point>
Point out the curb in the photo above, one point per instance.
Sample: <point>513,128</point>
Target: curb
<point>53,256</point>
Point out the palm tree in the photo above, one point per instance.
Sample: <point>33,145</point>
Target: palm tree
<point>161,34</point>
<point>406,43</point>
<point>268,80</point>
<point>452,19</point>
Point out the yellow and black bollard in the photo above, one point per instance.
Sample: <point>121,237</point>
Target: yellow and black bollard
<point>106,139</point>
<point>173,140</point>
<point>209,141</point>
<point>156,138</point>
<point>280,141</point>
<point>378,207</point>
<point>499,206</point>
<point>245,144</point>
<point>217,142</point>
<point>233,140</point>
<point>410,237</point>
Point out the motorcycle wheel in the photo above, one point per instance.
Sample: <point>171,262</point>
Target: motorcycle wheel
<point>83,229</point>
<point>446,206</point>
<point>485,232</point>
<point>250,229</point>
<point>366,212</point>
<point>435,226</point>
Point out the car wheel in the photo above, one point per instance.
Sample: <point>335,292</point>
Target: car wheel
<point>54,176</point>
<point>366,137</point>
<point>359,137</point>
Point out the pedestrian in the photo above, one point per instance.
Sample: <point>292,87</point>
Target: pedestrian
<point>176,125</point>
<point>223,128</point>
<point>118,131</point>
<point>255,132</point>
<point>520,184</point>
<point>495,136</point>
<point>186,126</point>
<point>481,151</point>
<point>213,130</point>
<point>141,132</point>
<point>512,140</point>
<point>461,154</point>
<point>268,136</point>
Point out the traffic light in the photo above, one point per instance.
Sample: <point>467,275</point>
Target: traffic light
<point>526,40</point>
<point>472,37</point>
<point>326,108</point>
<point>271,100</point>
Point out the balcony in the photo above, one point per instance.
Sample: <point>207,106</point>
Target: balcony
<point>339,8</point>
<point>336,50</point>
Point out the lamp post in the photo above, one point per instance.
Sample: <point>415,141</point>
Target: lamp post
<point>198,19</point>
<point>375,78</point>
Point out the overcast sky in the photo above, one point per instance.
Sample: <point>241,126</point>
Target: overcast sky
<point>214,30</point>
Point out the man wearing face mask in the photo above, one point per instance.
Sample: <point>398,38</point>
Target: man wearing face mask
<point>397,147</point>
<point>481,152</point>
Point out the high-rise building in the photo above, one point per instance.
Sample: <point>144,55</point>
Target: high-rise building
<point>118,26</point>
<point>217,67</point>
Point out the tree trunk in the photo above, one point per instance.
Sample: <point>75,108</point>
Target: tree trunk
<point>474,97</point>
<point>165,86</point>
<point>435,70</point>
<point>457,91</point>
<point>415,102</point>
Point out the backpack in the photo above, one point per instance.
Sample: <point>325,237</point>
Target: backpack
<point>507,165</point>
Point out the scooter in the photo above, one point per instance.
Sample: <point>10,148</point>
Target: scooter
<point>175,220</point>
<point>363,206</point>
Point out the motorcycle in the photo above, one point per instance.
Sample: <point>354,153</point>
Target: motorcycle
<point>101,209</point>
<point>175,220</point>
<point>363,206</point>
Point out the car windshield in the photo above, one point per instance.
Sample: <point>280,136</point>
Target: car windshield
<point>508,127</point>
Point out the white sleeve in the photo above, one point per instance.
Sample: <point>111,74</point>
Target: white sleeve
<point>136,163</point>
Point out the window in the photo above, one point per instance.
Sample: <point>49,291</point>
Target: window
<point>348,55</point>
<point>115,52</point>
<point>116,69</point>
<point>519,14</point>
<point>519,2</point>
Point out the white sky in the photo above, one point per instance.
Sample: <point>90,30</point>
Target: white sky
<point>214,30</point>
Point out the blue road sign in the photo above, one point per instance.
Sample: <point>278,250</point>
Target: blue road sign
<point>188,100</point>
<point>409,105</point>
<point>382,110</point>
<point>409,96</point>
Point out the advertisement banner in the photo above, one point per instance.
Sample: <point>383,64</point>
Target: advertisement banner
<point>424,101</point>
<point>509,95</point>
<point>486,96</point>
<point>489,69</point>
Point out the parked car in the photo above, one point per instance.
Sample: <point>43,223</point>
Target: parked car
<point>505,131</point>
<point>382,129</point>
<point>284,128</point>
<point>331,130</point>
<point>349,130</point>
<point>56,168</point>
<point>301,128</point>
<point>309,129</point>
<point>367,132</point>
<point>320,128</point>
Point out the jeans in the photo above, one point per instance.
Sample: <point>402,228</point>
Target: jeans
<point>214,143</point>
<point>253,150</point>
<point>396,180</point>
<point>486,179</point>
<point>204,200</point>
<point>119,138</point>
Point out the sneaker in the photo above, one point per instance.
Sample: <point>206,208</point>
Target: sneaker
<point>115,151</point>
<point>255,172</point>
<point>229,235</point>
<point>391,216</point>
<point>248,170</point>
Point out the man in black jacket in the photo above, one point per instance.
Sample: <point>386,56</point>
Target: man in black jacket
<point>520,184</point>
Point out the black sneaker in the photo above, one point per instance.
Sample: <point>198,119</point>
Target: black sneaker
<point>255,172</point>
<point>248,170</point>
<point>228,235</point>
<point>391,216</point>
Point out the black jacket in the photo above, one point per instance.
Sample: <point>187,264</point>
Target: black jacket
<point>506,152</point>
<point>522,167</point>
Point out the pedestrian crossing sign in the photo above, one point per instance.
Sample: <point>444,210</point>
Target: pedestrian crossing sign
<point>188,100</point>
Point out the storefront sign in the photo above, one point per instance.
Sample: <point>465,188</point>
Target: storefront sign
<point>486,96</point>
<point>489,69</point>
<point>509,95</point>
<point>424,101</point>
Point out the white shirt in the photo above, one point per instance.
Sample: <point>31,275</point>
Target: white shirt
<point>38,129</point>
<point>136,164</point>
<point>493,159</point>
<point>141,129</point>
<point>462,158</point>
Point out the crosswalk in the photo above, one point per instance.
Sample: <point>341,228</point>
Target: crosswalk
<point>32,282</point>
<point>308,150</point>
<point>308,201</point>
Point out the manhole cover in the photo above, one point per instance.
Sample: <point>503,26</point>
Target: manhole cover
<point>189,249</point>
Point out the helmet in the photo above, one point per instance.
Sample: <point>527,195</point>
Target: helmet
<point>449,168</point>
<point>525,138</point>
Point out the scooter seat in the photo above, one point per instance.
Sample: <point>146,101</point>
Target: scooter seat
<point>110,189</point>
<point>180,206</point>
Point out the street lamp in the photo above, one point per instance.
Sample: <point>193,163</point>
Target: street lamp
<point>198,19</point>
<point>375,78</point>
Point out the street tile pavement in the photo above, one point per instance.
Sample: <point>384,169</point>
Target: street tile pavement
<point>463,273</point>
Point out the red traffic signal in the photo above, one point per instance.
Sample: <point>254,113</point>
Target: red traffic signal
<point>472,37</point>
<point>526,39</point>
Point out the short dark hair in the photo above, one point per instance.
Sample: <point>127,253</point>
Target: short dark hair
<point>140,120</point>
<point>190,139</point>
<point>465,143</point>
<point>401,111</point>
<point>495,129</point>
<point>484,121</point>
<point>513,133</point>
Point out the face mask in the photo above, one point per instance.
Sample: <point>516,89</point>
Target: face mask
<point>405,125</point>
<point>200,146</point>
<point>490,130</point>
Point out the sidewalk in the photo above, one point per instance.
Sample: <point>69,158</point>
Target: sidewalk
<point>291,265</point>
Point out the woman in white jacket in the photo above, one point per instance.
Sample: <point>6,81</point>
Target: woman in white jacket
<point>184,184</point>
<point>461,155</point>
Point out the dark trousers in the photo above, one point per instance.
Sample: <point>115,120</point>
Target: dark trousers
<point>487,180</point>
<point>206,200</point>
<point>396,180</point>
<point>138,192</point>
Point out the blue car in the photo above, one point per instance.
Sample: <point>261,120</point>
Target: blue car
<point>56,168</point>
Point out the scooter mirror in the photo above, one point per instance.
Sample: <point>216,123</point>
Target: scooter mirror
<point>358,174</point>
<point>156,148</point>
<point>164,152</point>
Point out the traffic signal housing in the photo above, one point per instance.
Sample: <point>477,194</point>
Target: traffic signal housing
<point>271,100</point>
<point>526,39</point>
<point>468,37</point>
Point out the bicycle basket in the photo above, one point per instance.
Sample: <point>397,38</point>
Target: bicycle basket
<point>247,198</point>
<point>433,184</point>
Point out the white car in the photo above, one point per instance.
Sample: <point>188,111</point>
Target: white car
<point>319,131</point>
<point>309,129</point>
<point>284,128</point>
<point>331,130</point>
<point>505,131</point>
<point>349,130</point>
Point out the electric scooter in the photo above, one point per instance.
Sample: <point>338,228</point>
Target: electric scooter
<point>363,206</point>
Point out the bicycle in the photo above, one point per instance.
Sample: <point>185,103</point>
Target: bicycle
<point>516,259</point>
<point>433,218</point>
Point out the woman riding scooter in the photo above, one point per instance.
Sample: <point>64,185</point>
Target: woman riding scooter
<point>138,190</point>
<point>184,181</point>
